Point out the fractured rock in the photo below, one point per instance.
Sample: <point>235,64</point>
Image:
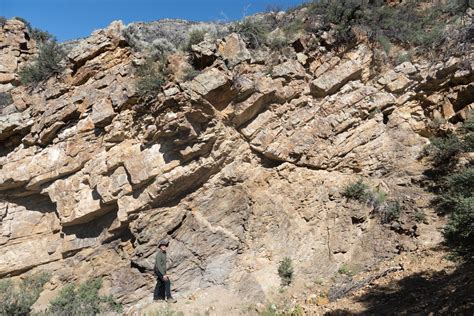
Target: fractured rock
<point>334,79</point>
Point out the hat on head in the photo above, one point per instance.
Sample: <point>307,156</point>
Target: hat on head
<point>163,242</point>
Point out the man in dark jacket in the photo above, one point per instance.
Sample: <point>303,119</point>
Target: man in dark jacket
<point>163,284</point>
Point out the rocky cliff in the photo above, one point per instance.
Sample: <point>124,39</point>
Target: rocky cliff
<point>239,167</point>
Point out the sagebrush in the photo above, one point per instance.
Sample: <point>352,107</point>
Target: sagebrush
<point>195,37</point>
<point>46,64</point>
<point>151,76</point>
<point>253,31</point>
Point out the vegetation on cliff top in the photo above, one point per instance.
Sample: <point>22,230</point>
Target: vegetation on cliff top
<point>408,25</point>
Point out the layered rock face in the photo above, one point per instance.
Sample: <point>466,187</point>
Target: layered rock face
<point>239,167</point>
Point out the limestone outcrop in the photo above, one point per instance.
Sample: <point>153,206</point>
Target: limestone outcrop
<point>240,166</point>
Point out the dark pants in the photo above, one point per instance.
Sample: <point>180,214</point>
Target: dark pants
<point>162,288</point>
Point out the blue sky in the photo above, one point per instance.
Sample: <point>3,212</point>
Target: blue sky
<point>69,19</point>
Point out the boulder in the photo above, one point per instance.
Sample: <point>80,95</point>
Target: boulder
<point>76,201</point>
<point>233,50</point>
<point>290,69</point>
<point>102,112</point>
<point>214,86</point>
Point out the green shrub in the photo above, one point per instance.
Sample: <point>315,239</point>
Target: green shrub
<point>161,48</point>
<point>461,182</point>
<point>459,231</point>
<point>293,27</point>
<point>17,299</point>
<point>390,212</point>
<point>46,64</point>
<point>253,31</point>
<point>385,43</point>
<point>456,195</point>
<point>82,300</point>
<point>455,187</point>
<point>405,23</point>
<point>445,148</point>
<point>378,199</point>
<point>404,57</point>
<point>468,125</point>
<point>420,217</point>
<point>3,21</point>
<point>285,271</point>
<point>271,310</point>
<point>151,76</point>
<point>195,37</point>
<point>358,191</point>
<point>345,270</point>
<point>5,99</point>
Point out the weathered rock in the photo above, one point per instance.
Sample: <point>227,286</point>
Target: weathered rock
<point>229,165</point>
<point>76,201</point>
<point>102,113</point>
<point>22,256</point>
<point>233,50</point>
<point>395,82</point>
<point>289,69</point>
<point>100,41</point>
<point>204,54</point>
<point>407,68</point>
<point>332,80</point>
<point>214,86</point>
<point>13,123</point>
<point>16,48</point>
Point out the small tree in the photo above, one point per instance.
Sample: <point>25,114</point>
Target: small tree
<point>41,36</point>
<point>285,271</point>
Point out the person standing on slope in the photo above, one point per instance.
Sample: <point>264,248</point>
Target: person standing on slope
<point>163,283</point>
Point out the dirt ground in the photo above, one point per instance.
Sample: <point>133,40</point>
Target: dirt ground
<point>420,282</point>
<point>426,283</point>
